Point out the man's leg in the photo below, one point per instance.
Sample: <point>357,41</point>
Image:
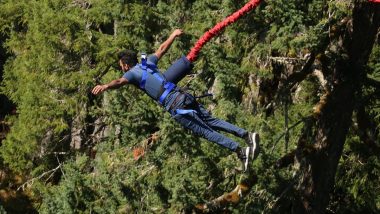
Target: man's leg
<point>194,123</point>
<point>251,138</point>
<point>221,125</point>
<point>178,70</point>
<point>199,127</point>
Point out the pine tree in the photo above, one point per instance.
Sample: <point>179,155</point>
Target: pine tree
<point>284,70</point>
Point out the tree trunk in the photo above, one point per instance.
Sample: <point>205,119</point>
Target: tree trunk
<point>318,162</point>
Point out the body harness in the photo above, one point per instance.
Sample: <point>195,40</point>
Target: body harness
<point>167,86</point>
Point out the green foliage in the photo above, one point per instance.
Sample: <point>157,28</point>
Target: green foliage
<point>374,73</point>
<point>59,47</point>
<point>2,211</point>
<point>358,177</point>
<point>82,192</point>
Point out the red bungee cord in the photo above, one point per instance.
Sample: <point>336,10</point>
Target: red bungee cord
<point>193,54</point>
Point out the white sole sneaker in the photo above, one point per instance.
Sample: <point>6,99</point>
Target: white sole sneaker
<point>246,161</point>
<point>254,140</point>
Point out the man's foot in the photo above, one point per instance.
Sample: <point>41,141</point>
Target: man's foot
<point>253,141</point>
<point>244,155</point>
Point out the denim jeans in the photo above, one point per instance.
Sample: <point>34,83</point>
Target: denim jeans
<point>201,122</point>
<point>178,70</point>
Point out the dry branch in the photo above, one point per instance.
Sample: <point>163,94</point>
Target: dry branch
<point>233,197</point>
<point>31,181</point>
<point>139,152</point>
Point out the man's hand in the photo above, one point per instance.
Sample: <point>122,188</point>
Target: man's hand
<point>111,85</point>
<point>177,32</point>
<point>99,89</point>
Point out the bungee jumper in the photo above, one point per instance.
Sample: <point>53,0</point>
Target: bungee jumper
<point>183,106</point>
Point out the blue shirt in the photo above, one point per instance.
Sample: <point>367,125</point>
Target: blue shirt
<point>153,86</point>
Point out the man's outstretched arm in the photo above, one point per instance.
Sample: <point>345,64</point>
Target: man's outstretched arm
<point>166,45</point>
<point>111,85</point>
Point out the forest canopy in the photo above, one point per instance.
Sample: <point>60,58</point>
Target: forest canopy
<point>303,74</point>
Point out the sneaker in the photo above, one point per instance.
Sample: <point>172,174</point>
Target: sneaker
<point>253,141</point>
<point>243,155</point>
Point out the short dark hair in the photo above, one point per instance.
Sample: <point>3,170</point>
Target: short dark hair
<point>129,57</point>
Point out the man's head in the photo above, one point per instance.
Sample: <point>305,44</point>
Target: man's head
<point>127,59</point>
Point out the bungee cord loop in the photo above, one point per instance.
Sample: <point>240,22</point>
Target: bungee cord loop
<point>193,54</point>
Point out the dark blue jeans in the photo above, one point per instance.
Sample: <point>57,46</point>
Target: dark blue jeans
<point>178,70</point>
<point>200,120</point>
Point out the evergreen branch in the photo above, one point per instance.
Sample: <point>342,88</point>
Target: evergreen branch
<point>372,82</point>
<point>299,76</point>
<point>275,203</point>
<point>365,129</point>
<point>307,68</point>
<point>192,76</point>
<point>145,173</point>
<point>31,181</point>
<point>81,4</point>
<point>369,99</point>
<point>104,72</point>
<point>286,160</point>
<point>286,59</point>
<point>320,48</point>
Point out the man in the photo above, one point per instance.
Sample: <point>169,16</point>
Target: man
<point>181,105</point>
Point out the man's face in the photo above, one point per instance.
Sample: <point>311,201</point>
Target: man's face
<point>124,67</point>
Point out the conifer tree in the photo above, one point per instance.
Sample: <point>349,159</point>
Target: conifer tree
<point>285,70</point>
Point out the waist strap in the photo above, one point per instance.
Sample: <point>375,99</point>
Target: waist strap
<point>169,86</point>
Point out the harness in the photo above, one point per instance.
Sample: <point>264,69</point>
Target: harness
<point>167,86</point>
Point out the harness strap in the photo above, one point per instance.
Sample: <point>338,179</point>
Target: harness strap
<point>145,74</point>
<point>184,111</point>
<point>143,78</point>
<point>168,86</point>
<point>144,67</point>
